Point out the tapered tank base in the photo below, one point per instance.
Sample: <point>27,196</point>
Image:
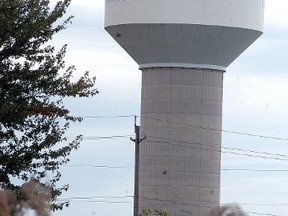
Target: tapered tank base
<point>179,168</point>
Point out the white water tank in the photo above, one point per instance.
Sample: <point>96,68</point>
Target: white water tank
<point>185,33</point>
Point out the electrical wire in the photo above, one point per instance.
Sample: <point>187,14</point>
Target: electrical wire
<point>213,150</point>
<point>131,167</point>
<point>99,199</point>
<point>254,170</point>
<point>223,147</point>
<point>108,117</point>
<point>132,197</point>
<point>99,166</point>
<point>102,201</point>
<point>222,130</point>
<point>230,149</point>
<point>260,204</point>
<point>94,197</point>
<point>95,138</point>
<point>96,200</point>
<point>285,157</point>
<point>190,125</point>
<point>105,137</point>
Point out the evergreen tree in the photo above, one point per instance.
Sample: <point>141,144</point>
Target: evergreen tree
<point>33,82</point>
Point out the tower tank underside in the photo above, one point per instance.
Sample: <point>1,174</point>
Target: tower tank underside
<point>183,48</point>
<point>183,45</point>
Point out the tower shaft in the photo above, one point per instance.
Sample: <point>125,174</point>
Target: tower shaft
<point>181,113</point>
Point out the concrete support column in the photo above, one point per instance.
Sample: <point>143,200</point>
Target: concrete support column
<point>181,112</point>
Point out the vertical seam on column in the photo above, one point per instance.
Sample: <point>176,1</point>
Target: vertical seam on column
<point>201,117</point>
<point>170,84</point>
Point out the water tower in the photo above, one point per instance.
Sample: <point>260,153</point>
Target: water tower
<point>183,47</point>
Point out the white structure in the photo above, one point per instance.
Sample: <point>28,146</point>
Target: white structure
<point>182,47</point>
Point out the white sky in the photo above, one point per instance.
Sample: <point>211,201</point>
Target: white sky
<point>255,101</point>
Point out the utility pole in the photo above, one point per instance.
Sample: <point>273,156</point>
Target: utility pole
<point>137,142</point>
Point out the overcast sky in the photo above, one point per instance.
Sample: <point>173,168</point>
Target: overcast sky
<point>255,101</point>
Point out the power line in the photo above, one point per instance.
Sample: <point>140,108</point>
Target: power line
<point>102,201</point>
<point>260,204</point>
<point>257,152</point>
<point>131,167</point>
<point>223,147</point>
<point>94,138</point>
<point>254,170</point>
<point>190,125</point>
<point>99,199</point>
<point>276,156</point>
<point>108,117</point>
<point>131,197</point>
<point>284,157</point>
<point>96,200</point>
<point>200,146</point>
<point>94,197</point>
<point>99,166</point>
<point>105,137</point>
<point>222,130</point>
<point>256,156</point>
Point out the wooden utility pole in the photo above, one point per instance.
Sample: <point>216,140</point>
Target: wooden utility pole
<point>137,142</point>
